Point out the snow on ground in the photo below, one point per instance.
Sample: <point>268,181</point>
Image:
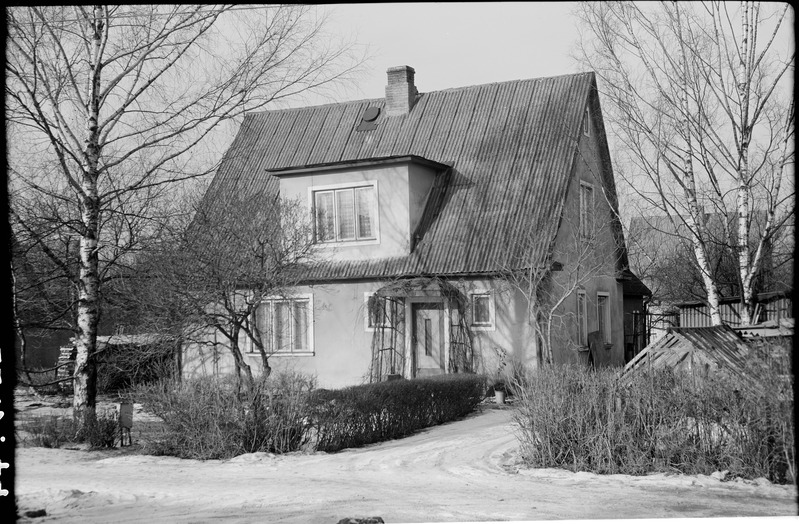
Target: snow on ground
<point>460,471</point>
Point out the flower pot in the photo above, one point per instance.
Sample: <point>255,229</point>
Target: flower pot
<point>499,396</point>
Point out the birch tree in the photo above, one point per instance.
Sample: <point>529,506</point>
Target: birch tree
<point>700,110</point>
<point>124,99</point>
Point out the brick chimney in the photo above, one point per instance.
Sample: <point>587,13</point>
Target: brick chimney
<point>400,92</point>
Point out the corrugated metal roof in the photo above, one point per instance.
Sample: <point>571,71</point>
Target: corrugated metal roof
<point>511,146</point>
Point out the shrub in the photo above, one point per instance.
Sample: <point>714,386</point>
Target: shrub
<point>49,431</point>
<point>208,419</point>
<point>361,415</point>
<point>120,367</point>
<point>40,379</point>
<point>100,431</point>
<point>52,431</point>
<point>581,419</point>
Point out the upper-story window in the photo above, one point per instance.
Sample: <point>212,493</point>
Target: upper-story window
<point>345,214</point>
<point>587,123</point>
<point>586,211</point>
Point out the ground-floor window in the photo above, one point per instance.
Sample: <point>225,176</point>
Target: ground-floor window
<point>482,310</point>
<point>285,325</point>
<point>379,311</point>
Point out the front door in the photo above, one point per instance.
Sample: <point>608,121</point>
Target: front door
<point>428,338</point>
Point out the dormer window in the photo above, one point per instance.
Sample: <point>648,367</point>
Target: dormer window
<point>345,214</point>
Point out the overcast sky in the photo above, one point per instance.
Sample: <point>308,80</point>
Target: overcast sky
<point>458,44</point>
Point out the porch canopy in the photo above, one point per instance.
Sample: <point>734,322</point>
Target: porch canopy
<point>421,287</point>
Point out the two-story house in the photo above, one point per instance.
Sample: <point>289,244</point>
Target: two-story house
<point>428,209</point>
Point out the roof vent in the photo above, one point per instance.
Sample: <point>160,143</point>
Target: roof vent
<point>368,120</point>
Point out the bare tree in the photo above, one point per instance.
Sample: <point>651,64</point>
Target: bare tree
<point>579,256</point>
<point>216,273</point>
<point>122,98</point>
<point>694,104</point>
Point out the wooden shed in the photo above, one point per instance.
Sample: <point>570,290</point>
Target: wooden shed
<point>701,351</point>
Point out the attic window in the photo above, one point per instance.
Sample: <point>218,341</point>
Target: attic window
<point>369,119</point>
<point>587,123</point>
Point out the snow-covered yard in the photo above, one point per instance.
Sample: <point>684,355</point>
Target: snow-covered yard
<point>461,471</point>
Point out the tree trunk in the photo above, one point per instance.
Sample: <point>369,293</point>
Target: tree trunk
<point>85,375</point>
<point>697,227</point>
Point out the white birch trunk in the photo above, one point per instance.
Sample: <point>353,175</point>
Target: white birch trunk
<point>742,198</point>
<point>695,219</point>
<point>85,375</point>
<point>748,276</point>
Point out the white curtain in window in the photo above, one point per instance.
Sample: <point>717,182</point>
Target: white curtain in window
<point>300,326</point>
<point>325,216</point>
<point>365,197</point>
<point>282,326</point>
<point>346,214</point>
<point>263,321</point>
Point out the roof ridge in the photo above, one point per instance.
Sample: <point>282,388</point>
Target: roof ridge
<point>421,93</point>
<point>314,106</point>
<point>553,77</point>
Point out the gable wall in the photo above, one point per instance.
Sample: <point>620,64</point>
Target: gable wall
<point>598,266</point>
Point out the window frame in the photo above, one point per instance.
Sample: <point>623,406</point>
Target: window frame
<point>586,211</point>
<point>307,298</point>
<point>587,122</point>
<point>607,321</point>
<point>582,318</point>
<point>334,189</point>
<point>482,326</point>
<point>367,316</point>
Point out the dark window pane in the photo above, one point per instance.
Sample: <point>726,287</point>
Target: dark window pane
<point>481,308</point>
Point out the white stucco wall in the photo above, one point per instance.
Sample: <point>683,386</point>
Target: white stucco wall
<point>402,191</point>
<point>342,344</point>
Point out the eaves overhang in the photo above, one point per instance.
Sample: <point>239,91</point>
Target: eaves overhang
<point>366,162</point>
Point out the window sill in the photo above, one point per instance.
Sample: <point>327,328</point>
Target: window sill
<point>347,243</point>
<point>483,328</point>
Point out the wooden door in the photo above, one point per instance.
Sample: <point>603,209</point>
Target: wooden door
<point>428,339</point>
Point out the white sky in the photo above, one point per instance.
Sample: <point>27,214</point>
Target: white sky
<point>458,44</point>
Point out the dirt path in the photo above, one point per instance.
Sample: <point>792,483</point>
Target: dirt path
<point>462,471</point>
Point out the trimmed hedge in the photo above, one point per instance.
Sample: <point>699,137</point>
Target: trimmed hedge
<point>370,413</point>
<point>207,419</point>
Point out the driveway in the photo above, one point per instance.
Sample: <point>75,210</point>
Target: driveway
<point>461,471</point>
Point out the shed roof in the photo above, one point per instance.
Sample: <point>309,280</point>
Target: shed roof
<point>511,147</point>
<point>703,350</point>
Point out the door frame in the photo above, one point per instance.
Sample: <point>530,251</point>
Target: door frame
<point>410,368</point>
